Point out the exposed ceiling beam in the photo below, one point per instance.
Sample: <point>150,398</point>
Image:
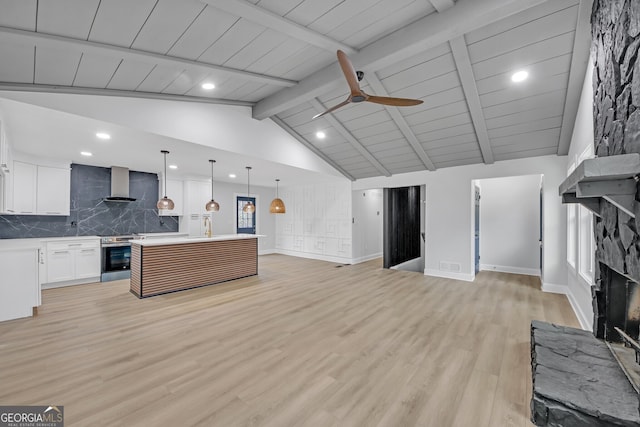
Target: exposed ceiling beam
<point>23,87</point>
<point>442,5</point>
<point>399,120</point>
<point>347,135</point>
<point>579,61</point>
<point>261,16</point>
<point>277,120</point>
<point>83,46</point>
<point>423,34</point>
<point>468,81</point>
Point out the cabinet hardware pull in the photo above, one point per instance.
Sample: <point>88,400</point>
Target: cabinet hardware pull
<point>61,252</point>
<point>88,250</point>
<point>74,244</point>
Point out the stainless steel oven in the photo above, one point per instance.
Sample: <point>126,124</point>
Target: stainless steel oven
<point>116,257</point>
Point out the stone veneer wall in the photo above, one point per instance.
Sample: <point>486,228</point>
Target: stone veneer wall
<point>615,27</point>
<point>90,215</point>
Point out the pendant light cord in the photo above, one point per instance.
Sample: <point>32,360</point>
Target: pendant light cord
<point>165,173</point>
<point>212,162</point>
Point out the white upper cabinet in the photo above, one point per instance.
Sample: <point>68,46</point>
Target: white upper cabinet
<point>53,191</point>
<point>174,192</point>
<point>40,190</point>
<point>25,182</point>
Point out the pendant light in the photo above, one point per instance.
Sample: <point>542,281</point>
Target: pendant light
<point>248,207</point>
<point>277,205</point>
<point>212,206</point>
<point>165,202</point>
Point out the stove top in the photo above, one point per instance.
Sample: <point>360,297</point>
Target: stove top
<point>118,239</point>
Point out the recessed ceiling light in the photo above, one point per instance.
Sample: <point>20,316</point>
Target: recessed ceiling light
<point>86,153</point>
<point>519,76</point>
<point>103,135</point>
<point>320,135</point>
<point>232,175</point>
<point>208,86</point>
<point>173,166</point>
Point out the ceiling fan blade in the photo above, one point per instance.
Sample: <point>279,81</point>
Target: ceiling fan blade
<point>349,73</point>
<point>396,102</point>
<point>335,107</point>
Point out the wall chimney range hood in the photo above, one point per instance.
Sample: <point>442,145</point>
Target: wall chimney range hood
<point>119,186</point>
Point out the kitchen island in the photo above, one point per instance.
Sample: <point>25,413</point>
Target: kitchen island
<point>163,265</point>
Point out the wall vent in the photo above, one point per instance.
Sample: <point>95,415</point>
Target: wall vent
<point>454,267</point>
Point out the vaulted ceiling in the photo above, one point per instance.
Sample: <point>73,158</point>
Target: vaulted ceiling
<point>279,57</point>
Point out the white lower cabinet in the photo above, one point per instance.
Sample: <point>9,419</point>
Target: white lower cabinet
<point>72,262</point>
<point>60,265</point>
<point>19,287</point>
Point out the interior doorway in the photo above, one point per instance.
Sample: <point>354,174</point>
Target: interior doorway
<point>476,226</point>
<point>404,228</point>
<point>507,224</point>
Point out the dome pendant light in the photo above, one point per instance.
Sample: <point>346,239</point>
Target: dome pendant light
<point>212,206</point>
<point>165,202</point>
<point>277,205</point>
<point>248,207</point>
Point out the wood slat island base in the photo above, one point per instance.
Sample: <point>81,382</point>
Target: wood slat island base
<point>168,265</point>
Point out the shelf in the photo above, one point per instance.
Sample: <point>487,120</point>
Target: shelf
<point>611,178</point>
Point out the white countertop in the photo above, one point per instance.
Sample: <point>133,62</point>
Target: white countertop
<point>183,240</point>
<point>169,234</point>
<point>37,242</point>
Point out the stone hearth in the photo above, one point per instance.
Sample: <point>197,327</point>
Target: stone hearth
<point>577,381</point>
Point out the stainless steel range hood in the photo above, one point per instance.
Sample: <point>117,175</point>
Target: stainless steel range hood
<point>119,185</point>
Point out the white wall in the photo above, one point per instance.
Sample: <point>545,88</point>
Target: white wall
<point>367,225</point>
<point>449,231</point>
<point>579,290</point>
<point>224,221</point>
<point>510,224</point>
<point>317,223</point>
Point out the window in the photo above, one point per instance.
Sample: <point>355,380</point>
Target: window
<point>571,228</point>
<point>586,248</point>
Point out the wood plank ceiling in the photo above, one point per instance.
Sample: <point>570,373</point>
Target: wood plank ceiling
<point>279,57</point>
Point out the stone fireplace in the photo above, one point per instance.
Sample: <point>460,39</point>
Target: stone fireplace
<point>582,378</point>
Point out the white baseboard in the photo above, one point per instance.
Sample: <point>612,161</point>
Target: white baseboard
<point>267,251</point>
<point>366,258</point>
<point>553,288</point>
<point>449,275</point>
<point>508,269</point>
<point>70,283</point>
<point>319,257</point>
<point>585,322</point>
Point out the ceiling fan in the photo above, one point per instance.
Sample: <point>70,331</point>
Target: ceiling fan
<point>357,95</point>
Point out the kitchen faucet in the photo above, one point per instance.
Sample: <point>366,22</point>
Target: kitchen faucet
<point>207,226</point>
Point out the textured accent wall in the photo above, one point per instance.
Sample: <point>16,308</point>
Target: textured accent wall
<point>615,26</point>
<point>90,215</point>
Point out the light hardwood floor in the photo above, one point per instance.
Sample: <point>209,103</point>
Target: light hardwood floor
<point>304,343</point>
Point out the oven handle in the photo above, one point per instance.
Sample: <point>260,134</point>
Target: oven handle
<point>114,245</point>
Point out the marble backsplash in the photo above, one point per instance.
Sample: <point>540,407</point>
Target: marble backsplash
<point>90,215</point>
